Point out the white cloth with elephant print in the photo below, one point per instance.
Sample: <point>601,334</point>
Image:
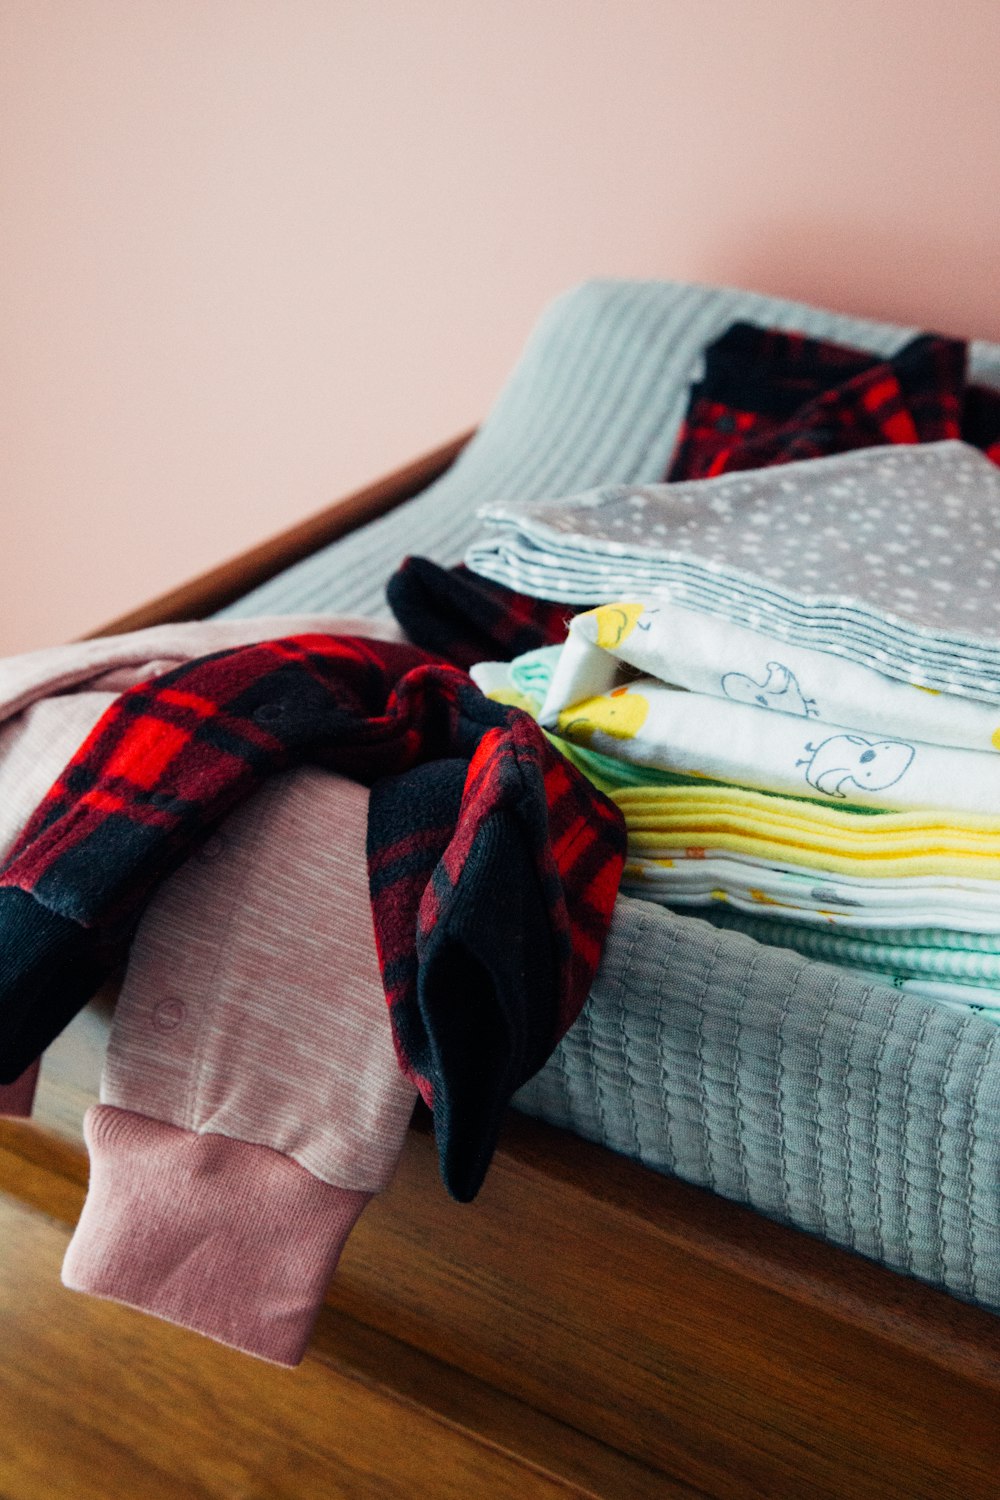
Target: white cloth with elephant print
<point>888,557</point>
<point>708,655</point>
<point>650,724</point>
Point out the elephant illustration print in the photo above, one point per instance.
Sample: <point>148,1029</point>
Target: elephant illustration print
<point>779,690</point>
<point>850,759</point>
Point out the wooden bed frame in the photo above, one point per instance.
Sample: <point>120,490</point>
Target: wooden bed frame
<point>621,1331</point>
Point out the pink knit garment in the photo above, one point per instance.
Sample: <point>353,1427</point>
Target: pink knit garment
<point>251,1100</point>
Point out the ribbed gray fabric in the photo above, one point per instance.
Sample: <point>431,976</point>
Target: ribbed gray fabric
<point>846,1109</point>
<point>838,1106</point>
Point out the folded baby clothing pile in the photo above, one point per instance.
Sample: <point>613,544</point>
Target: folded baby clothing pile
<point>883,892</point>
<point>195,803</point>
<point>809,653</point>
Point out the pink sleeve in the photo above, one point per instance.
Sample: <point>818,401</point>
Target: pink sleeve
<point>252,1102</point>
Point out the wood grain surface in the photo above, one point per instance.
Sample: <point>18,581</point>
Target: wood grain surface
<point>99,1402</point>
<point>630,1334</point>
<point>740,1357</point>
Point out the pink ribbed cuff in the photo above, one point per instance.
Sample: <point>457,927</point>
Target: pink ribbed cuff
<point>17,1098</point>
<point>233,1240</point>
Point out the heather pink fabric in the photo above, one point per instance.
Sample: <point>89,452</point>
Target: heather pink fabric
<point>17,1098</point>
<point>50,700</point>
<point>253,1010</point>
<point>173,1225</point>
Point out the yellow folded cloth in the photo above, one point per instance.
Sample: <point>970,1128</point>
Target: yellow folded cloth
<point>742,821</point>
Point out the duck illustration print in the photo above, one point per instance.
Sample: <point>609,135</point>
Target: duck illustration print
<point>779,689</point>
<point>846,759</point>
<point>616,622</point>
<point>620,713</point>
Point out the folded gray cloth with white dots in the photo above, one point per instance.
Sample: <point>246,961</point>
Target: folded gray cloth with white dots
<point>889,557</point>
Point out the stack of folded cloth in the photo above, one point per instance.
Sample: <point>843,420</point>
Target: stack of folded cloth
<point>791,688</point>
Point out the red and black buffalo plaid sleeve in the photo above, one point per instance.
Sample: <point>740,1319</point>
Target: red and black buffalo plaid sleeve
<point>769,397</point>
<point>465,618</point>
<point>493,865</point>
<point>981,420</point>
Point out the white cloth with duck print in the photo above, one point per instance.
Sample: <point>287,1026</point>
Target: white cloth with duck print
<point>888,557</point>
<point>704,654</point>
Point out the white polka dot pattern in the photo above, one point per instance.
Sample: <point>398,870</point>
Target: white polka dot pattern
<point>888,556</point>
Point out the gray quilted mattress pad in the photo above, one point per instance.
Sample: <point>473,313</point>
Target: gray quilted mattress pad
<point>839,1106</point>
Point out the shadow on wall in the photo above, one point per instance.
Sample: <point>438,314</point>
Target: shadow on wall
<point>906,279</point>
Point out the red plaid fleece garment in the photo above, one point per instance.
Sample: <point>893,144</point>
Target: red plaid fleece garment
<point>772,398</point>
<point>464,618</point>
<point>493,866</point>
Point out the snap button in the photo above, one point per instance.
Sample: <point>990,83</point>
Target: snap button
<point>212,847</point>
<point>169,1014</point>
<point>268,713</point>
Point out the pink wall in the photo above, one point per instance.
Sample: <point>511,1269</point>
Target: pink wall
<point>255,252</point>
